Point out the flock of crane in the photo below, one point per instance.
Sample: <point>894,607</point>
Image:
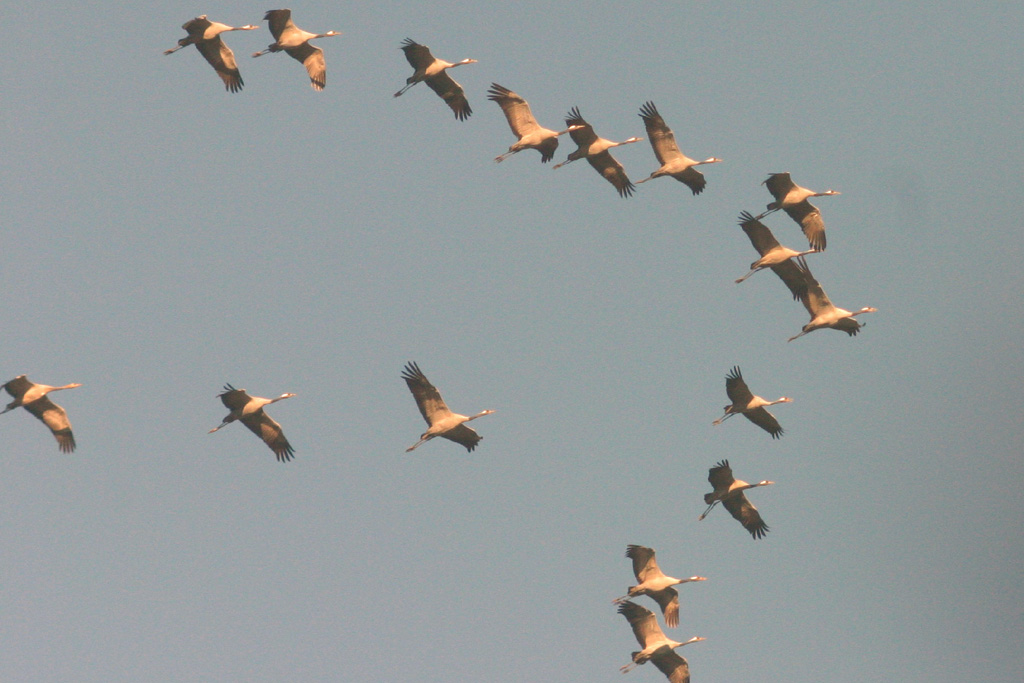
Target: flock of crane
<point>788,264</point>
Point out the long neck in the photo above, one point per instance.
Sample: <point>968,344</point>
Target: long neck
<point>691,640</point>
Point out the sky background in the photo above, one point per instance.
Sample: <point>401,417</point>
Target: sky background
<point>162,237</point>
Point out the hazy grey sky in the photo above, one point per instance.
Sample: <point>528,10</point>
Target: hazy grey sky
<point>162,237</point>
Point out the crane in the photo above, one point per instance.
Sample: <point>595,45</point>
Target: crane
<point>295,41</point>
<point>656,647</point>
<point>773,254</point>
<point>205,35</point>
<point>442,421</point>
<point>729,492</point>
<point>249,409</point>
<point>752,407</point>
<point>823,312</point>
<point>595,150</point>
<point>792,199</point>
<point>651,581</point>
<point>434,72</point>
<point>524,126</point>
<point>673,162</point>
<point>33,398</point>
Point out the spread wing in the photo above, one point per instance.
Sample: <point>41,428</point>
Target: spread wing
<point>278,20</point>
<point>720,476</point>
<point>428,398</point>
<point>312,58</point>
<point>18,386</point>
<point>792,277</point>
<point>265,427</point>
<point>663,142</point>
<point>585,136</point>
<point>779,185</point>
<point>516,109</point>
<point>643,622</point>
<point>669,601</point>
<point>814,298</point>
<point>760,236</point>
<point>222,59</point>
<point>196,27</point>
<point>673,665</point>
<point>736,388</point>
<point>612,171</point>
<point>451,92</point>
<point>810,220</point>
<point>744,511</point>
<point>234,399</point>
<point>765,420</point>
<point>463,434</point>
<point>54,417</point>
<point>848,325</point>
<point>692,178</point>
<point>419,56</point>
<point>645,566</point>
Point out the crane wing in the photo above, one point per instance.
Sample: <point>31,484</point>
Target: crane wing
<point>452,93</point>
<point>814,299</point>
<point>848,325</point>
<point>516,109</point>
<point>779,185</point>
<point>736,389</point>
<point>692,178</point>
<point>418,55</point>
<point>547,149</point>
<point>809,218</point>
<point>765,420</point>
<point>673,665</point>
<point>54,417</point>
<point>312,58</point>
<point>585,136</point>
<point>663,142</point>
<point>643,622</point>
<point>18,386</point>
<point>744,511</point>
<point>760,236</point>
<point>234,399</point>
<point>612,171</point>
<point>428,398</point>
<point>222,59</point>
<point>463,434</point>
<point>278,21</point>
<point>668,598</point>
<point>265,427</point>
<point>645,566</point>
<point>720,476</point>
<point>792,277</point>
<point>196,28</point>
